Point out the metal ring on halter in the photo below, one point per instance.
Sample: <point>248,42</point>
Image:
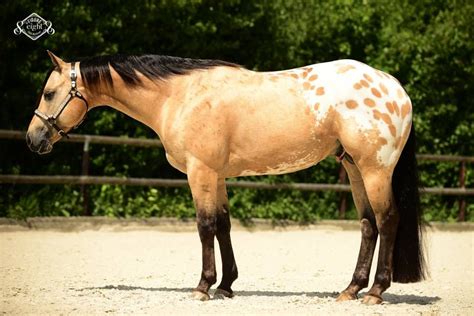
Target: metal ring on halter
<point>51,120</point>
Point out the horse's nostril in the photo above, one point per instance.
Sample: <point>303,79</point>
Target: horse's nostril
<point>28,139</point>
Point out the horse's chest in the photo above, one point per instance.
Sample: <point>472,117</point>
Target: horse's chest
<point>177,162</point>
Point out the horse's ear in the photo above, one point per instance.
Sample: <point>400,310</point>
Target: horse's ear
<point>57,62</point>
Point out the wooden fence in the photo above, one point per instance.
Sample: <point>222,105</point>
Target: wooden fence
<point>84,180</point>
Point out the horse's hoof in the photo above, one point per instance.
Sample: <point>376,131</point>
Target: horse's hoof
<point>346,296</point>
<point>221,294</point>
<point>370,299</point>
<point>200,296</point>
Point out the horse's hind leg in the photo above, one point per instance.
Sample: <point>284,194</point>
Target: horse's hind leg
<point>378,184</point>
<point>229,267</point>
<point>360,278</point>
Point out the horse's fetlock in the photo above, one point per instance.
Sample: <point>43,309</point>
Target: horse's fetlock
<point>210,277</point>
<point>360,279</point>
<point>383,280</point>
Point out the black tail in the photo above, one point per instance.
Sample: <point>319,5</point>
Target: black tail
<point>408,259</point>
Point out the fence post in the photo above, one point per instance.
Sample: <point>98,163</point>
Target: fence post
<point>343,195</point>
<point>462,199</point>
<point>85,172</point>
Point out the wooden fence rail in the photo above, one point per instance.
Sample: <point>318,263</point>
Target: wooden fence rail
<point>87,180</point>
<point>84,180</point>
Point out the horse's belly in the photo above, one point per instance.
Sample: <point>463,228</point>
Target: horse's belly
<point>281,168</point>
<point>272,158</point>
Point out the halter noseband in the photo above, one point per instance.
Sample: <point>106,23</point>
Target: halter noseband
<point>51,120</point>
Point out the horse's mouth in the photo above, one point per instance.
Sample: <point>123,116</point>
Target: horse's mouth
<point>44,148</point>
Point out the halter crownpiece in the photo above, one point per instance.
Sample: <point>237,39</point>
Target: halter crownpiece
<point>51,120</point>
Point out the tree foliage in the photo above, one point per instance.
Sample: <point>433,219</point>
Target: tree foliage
<point>427,45</point>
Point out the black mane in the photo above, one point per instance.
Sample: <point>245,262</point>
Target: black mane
<point>96,70</point>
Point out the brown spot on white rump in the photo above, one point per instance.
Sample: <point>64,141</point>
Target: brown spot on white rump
<point>383,88</point>
<point>406,107</point>
<point>320,91</point>
<point>369,78</point>
<point>393,130</point>
<point>395,107</point>
<point>313,77</point>
<point>344,69</point>
<point>400,93</point>
<point>387,119</point>
<point>351,104</point>
<point>376,92</point>
<point>369,102</point>
<point>364,83</point>
<point>384,116</point>
<point>389,107</point>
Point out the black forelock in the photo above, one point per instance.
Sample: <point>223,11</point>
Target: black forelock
<point>96,70</point>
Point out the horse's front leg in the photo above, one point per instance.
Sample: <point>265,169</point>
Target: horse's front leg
<point>204,187</point>
<point>229,267</point>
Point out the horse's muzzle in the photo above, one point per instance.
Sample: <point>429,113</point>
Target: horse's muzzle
<point>40,145</point>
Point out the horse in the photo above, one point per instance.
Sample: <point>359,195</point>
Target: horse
<point>219,120</point>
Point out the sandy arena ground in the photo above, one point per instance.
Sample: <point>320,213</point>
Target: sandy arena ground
<point>150,272</point>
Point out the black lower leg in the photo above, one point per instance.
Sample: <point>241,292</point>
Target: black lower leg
<point>383,275</point>
<point>207,230</point>
<point>229,267</point>
<point>360,278</point>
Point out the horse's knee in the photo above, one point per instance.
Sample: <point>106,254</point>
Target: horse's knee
<point>207,225</point>
<point>367,229</point>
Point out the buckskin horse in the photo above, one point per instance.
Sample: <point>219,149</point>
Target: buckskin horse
<point>219,120</point>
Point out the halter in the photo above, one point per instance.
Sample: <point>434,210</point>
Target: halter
<point>51,120</point>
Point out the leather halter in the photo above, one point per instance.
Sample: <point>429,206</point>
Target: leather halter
<point>51,120</point>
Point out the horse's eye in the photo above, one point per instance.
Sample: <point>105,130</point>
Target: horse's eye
<point>49,95</point>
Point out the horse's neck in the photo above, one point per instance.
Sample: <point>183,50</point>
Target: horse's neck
<point>142,103</point>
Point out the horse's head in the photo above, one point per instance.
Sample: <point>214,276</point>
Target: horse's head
<point>61,107</point>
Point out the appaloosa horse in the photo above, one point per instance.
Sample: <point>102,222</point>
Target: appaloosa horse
<point>219,120</point>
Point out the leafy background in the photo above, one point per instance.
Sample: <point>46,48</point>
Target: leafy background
<point>427,45</point>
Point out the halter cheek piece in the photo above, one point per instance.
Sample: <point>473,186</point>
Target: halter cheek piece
<point>51,120</point>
